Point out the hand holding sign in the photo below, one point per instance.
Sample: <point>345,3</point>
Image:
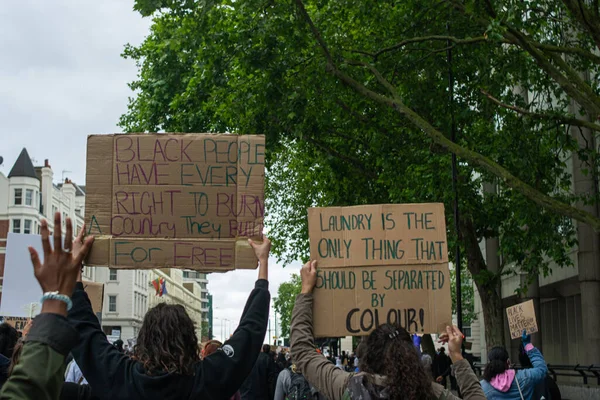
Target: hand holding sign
<point>261,250</point>
<point>308,273</point>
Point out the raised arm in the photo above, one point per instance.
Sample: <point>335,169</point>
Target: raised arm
<point>466,378</point>
<point>100,362</point>
<point>540,369</point>
<point>318,371</point>
<point>39,374</point>
<point>225,370</point>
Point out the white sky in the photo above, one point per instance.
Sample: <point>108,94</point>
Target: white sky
<point>62,78</point>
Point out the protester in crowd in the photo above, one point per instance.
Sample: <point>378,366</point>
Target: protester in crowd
<point>547,389</point>
<point>282,362</point>
<point>390,363</point>
<point>8,340</point>
<point>260,384</point>
<point>211,347</point>
<point>166,363</point>
<point>39,372</point>
<point>501,382</point>
<point>443,367</point>
<point>291,385</point>
<point>119,345</point>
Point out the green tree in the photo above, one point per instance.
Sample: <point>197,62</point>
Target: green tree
<point>284,302</point>
<point>286,71</point>
<point>467,295</point>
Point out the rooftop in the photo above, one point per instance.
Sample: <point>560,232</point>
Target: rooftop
<point>23,166</point>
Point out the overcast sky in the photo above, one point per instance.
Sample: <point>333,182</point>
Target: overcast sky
<point>62,78</point>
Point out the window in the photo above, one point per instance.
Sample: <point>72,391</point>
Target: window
<point>466,330</point>
<point>54,210</point>
<point>112,303</point>
<point>113,275</point>
<point>29,197</point>
<point>18,197</point>
<point>16,226</point>
<point>27,226</point>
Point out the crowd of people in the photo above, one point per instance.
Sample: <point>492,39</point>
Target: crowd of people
<point>64,353</point>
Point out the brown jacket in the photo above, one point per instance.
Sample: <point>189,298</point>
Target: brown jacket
<point>332,382</point>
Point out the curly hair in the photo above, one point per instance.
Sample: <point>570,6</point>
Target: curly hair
<point>497,363</point>
<point>397,359</point>
<point>167,341</point>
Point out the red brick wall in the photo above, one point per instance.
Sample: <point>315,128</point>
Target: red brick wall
<point>4,225</point>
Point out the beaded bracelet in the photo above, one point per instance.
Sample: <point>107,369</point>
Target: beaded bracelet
<point>57,296</point>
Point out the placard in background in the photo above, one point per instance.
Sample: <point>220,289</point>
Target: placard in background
<point>521,317</point>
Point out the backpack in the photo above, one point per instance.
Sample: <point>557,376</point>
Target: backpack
<point>299,388</point>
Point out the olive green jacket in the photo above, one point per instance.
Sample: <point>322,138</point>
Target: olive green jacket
<point>332,382</point>
<point>40,372</point>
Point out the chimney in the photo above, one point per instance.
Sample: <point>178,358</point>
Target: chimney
<point>46,163</point>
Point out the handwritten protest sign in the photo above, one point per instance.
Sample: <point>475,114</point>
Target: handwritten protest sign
<point>521,317</point>
<point>174,200</point>
<point>378,264</point>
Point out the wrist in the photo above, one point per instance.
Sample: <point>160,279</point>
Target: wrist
<point>455,356</point>
<point>306,290</point>
<point>54,307</point>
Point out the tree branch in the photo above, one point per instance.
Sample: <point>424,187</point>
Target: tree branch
<point>439,138</point>
<point>542,61</point>
<point>568,50</point>
<point>560,118</point>
<point>405,42</point>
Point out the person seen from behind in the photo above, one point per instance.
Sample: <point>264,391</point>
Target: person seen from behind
<point>260,384</point>
<point>291,385</point>
<point>502,382</point>
<point>211,347</point>
<point>389,363</point>
<point>546,389</point>
<point>166,363</point>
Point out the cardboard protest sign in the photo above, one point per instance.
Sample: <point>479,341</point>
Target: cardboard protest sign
<point>18,323</point>
<point>95,292</point>
<point>174,200</point>
<point>378,264</point>
<point>521,317</point>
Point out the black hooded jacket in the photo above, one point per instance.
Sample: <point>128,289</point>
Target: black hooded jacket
<point>114,375</point>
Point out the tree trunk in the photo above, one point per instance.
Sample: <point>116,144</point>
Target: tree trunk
<point>493,315</point>
<point>488,286</point>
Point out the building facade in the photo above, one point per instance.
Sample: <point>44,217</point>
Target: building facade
<point>185,292</point>
<point>28,195</point>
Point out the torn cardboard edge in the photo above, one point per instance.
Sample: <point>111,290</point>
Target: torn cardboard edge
<point>202,255</point>
<point>101,153</point>
<point>342,307</point>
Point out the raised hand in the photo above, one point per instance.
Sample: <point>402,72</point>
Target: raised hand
<point>60,268</point>
<point>308,273</point>
<point>454,338</point>
<point>261,250</point>
<point>525,338</point>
